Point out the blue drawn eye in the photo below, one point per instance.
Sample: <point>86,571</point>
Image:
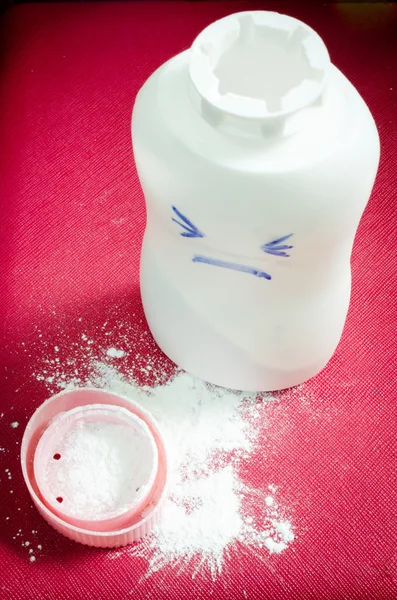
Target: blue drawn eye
<point>276,247</point>
<point>191,230</point>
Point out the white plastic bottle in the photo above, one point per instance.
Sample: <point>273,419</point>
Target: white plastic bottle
<point>256,157</point>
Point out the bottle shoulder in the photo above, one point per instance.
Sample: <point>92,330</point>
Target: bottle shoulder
<point>166,117</point>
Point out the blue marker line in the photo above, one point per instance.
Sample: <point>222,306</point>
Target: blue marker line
<point>276,247</point>
<point>185,227</point>
<point>186,224</point>
<point>190,235</point>
<point>277,242</point>
<point>276,251</point>
<point>229,265</point>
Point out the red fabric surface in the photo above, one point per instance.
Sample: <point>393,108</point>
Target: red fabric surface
<point>72,218</point>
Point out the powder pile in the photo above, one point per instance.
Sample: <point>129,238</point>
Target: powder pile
<point>98,469</point>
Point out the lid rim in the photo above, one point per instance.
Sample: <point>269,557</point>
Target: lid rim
<point>33,432</point>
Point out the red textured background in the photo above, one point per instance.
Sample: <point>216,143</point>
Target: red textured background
<point>71,221</point>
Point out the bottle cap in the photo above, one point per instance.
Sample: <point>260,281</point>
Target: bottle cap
<point>95,466</point>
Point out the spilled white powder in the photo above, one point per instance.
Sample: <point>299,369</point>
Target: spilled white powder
<point>15,424</point>
<point>115,353</point>
<point>209,433</point>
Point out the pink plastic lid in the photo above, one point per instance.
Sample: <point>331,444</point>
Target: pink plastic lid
<point>95,466</point>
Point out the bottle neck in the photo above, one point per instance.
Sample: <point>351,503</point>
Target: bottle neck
<point>279,126</point>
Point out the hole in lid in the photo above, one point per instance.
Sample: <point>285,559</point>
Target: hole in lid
<point>60,499</point>
<point>56,456</point>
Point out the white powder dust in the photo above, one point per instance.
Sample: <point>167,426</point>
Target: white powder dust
<point>115,353</point>
<point>15,424</point>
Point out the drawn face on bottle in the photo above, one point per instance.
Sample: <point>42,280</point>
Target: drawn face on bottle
<point>276,247</point>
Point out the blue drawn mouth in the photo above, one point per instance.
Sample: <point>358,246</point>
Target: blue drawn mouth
<point>230,265</point>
